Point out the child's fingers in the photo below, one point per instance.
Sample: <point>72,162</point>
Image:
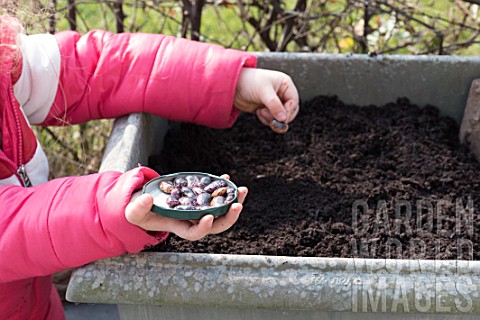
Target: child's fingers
<point>137,210</point>
<point>288,95</point>
<point>292,108</point>
<point>290,98</point>
<point>290,92</point>
<point>186,229</point>
<point>242,193</point>
<point>198,231</point>
<point>272,101</point>
<point>225,222</point>
<point>209,225</point>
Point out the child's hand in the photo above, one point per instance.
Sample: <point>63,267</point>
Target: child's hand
<point>270,94</point>
<point>138,213</point>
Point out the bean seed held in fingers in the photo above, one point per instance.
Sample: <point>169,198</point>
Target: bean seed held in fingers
<point>278,127</point>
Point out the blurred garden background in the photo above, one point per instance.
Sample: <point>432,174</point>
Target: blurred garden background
<point>445,27</point>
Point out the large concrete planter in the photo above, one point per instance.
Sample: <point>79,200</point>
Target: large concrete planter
<point>204,286</point>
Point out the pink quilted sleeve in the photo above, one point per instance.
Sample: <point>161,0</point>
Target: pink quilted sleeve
<point>105,75</point>
<point>69,222</point>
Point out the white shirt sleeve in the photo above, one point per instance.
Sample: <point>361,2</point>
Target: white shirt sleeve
<point>37,86</point>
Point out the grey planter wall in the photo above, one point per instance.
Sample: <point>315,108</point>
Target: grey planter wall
<point>205,286</point>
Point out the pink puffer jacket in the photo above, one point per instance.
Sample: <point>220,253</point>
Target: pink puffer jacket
<point>69,222</point>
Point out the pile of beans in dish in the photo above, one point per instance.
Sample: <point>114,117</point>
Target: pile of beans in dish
<point>193,192</point>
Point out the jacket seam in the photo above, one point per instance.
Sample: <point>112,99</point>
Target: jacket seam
<point>48,225</point>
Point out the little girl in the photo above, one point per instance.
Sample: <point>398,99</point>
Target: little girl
<point>67,78</point>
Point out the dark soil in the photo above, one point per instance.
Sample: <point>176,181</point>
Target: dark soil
<point>345,181</point>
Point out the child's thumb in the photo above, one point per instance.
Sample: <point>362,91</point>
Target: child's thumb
<point>136,210</point>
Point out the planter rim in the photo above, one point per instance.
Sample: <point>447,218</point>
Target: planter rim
<point>278,282</point>
<point>361,56</point>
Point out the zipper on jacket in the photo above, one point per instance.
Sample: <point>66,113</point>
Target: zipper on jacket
<point>21,171</point>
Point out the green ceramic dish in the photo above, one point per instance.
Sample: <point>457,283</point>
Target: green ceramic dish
<point>161,208</point>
